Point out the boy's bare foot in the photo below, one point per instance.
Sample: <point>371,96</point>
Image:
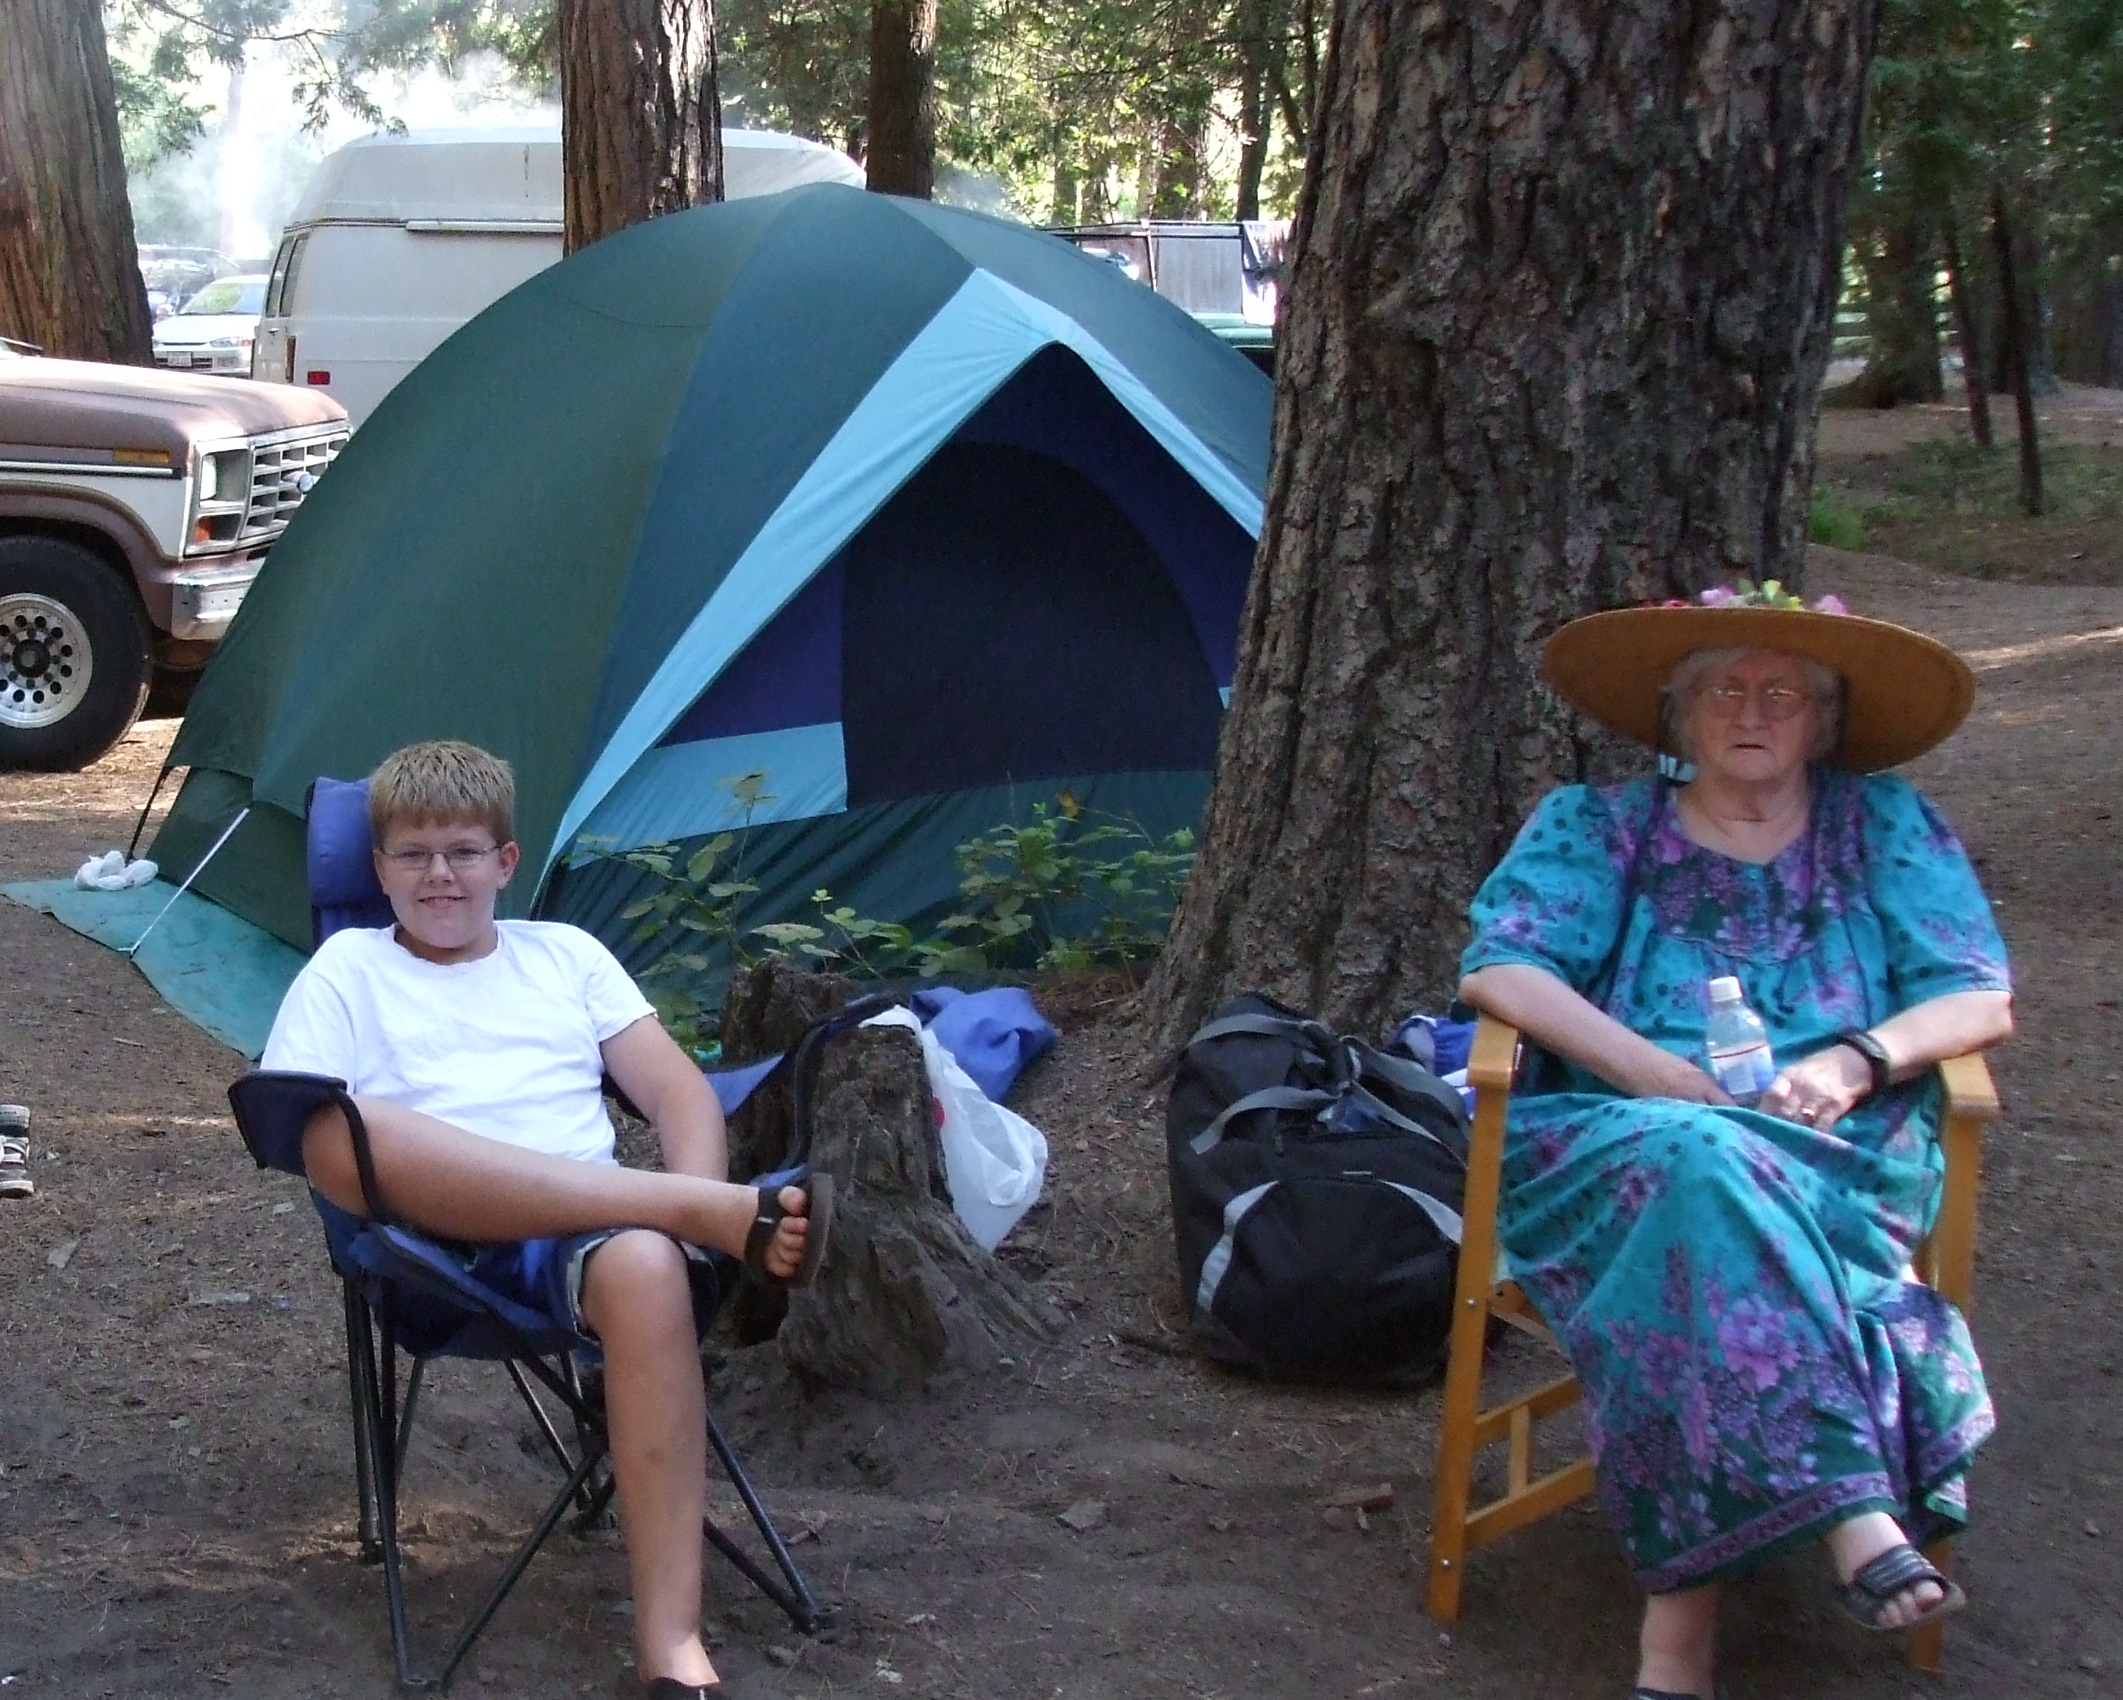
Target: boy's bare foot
<point>790,1227</point>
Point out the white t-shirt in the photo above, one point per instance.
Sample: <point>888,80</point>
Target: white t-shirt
<point>506,1046</point>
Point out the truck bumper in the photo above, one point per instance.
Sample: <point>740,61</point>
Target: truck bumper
<point>203,600</point>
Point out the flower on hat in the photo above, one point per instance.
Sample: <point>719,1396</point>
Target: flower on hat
<point>1770,594</point>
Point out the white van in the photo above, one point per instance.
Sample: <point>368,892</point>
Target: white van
<point>399,239</point>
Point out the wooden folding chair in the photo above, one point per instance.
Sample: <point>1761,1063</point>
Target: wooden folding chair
<point>1946,1261</point>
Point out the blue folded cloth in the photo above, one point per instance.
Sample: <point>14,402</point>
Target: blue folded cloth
<point>994,1035</point>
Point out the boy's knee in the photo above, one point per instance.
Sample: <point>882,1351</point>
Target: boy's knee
<point>634,1276</point>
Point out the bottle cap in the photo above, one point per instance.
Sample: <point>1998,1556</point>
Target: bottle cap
<point>1725,989</point>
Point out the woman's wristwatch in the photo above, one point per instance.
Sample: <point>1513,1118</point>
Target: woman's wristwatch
<point>1875,1055</point>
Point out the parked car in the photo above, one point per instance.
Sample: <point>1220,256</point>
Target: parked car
<point>399,239</point>
<point>136,506</point>
<point>1205,266</point>
<point>180,272</point>
<point>214,330</point>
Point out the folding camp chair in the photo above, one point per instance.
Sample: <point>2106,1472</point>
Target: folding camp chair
<point>405,1293</point>
<point>1946,1261</point>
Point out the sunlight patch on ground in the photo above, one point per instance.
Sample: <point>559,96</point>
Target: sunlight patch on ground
<point>2012,654</point>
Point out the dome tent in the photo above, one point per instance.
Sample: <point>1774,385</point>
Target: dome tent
<point>924,515</point>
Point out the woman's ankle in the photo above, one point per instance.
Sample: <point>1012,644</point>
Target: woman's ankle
<point>1677,1652</point>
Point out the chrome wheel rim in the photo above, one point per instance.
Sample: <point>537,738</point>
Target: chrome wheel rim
<point>45,661</point>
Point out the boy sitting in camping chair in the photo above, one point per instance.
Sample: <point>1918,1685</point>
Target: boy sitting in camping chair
<point>475,1052</point>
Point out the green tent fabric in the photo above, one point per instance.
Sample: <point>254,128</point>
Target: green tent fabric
<point>665,514</point>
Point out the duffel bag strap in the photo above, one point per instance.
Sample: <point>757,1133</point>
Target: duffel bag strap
<point>1407,1124</point>
<point>1268,1098</point>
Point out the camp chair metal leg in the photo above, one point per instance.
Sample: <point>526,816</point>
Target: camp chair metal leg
<point>796,1601</point>
<point>405,1414</point>
<point>554,1444</point>
<point>516,1567</point>
<point>375,1435</point>
<point>358,1346</point>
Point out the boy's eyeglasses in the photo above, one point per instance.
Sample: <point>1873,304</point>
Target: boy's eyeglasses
<point>1779,702</point>
<point>462,859</point>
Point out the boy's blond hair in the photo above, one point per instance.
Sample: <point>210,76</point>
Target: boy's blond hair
<point>441,784</point>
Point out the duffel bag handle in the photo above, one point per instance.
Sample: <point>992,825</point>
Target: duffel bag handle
<point>1268,1098</point>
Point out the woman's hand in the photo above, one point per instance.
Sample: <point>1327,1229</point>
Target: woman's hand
<point>1820,1090</point>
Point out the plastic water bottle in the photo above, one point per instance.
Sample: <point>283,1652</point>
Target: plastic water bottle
<point>1740,1058</point>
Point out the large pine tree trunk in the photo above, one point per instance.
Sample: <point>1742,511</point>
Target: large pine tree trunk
<point>1562,301</point>
<point>901,157</point>
<point>1902,314</point>
<point>641,121</point>
<point>69,270</point>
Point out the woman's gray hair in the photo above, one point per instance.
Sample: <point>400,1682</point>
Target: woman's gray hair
<point>1823,684</point>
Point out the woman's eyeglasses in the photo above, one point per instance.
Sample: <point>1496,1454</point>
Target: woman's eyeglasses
<point>461,858</point>
<point>1779,702</point>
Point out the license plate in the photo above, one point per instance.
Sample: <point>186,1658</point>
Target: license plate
<point>183,360</point>
<point>220,601</point>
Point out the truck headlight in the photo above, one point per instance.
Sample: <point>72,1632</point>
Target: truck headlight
<point>225,477</point>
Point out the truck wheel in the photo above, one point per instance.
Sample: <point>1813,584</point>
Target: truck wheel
<point>73,655</point>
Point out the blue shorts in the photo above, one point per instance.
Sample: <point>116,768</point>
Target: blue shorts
<point>540,1280</point>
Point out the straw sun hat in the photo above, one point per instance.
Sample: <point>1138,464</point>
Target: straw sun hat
<point>1903,692</point>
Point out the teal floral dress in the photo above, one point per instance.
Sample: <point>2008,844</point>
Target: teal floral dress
<point>1734,1290</point>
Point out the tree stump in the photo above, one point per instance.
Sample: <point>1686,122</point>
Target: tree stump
<point>905,1291</point>
<point>765,1011</point>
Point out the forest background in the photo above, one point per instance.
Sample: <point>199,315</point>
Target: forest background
<point>1989,120</point>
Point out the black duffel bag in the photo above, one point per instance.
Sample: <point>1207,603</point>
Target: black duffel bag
<point>1316,1190</point>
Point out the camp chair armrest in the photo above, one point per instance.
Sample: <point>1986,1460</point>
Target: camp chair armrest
<point>273,1108</point>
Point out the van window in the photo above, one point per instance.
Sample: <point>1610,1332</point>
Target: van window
<point>280,292</point>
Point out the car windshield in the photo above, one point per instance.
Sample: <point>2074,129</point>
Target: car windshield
<point>229,295</point>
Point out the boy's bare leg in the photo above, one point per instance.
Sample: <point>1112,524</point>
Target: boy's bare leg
<point>463,1186</point>
<point>635,1295</point>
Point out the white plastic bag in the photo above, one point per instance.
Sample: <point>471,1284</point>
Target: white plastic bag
<point>994,1160</point>
<point>112,872</point>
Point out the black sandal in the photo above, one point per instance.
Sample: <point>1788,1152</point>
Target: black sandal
<point>769,1215</point>
<point>1879,1582</point>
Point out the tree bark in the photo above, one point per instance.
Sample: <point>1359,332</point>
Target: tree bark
<point>902,130</point>
<point>1561,304</point>
<point>2012,318</point>
<point>69,268</point>
<point>1962,295</point>
<point>641,119</point>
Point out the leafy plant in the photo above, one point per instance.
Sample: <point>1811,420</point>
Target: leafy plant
<point>1061,892</point>
<point>698,897</point>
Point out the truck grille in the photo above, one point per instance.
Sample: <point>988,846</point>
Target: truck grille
<point>281,475</point>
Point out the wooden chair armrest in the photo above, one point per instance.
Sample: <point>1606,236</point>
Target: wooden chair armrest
<point>1969,1089</point>
<point>1494,1056</point>
<point>1947,1260</point>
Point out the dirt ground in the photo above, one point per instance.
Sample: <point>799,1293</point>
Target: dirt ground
<point>175,1482</point>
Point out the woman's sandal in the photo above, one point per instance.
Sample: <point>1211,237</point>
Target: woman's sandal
<point>770,1215</point>
<point>1879,1582</point>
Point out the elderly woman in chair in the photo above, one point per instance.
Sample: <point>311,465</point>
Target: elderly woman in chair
<point>1732,1282</point>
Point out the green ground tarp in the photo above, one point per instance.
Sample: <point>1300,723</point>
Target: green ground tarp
<point>216,969</point>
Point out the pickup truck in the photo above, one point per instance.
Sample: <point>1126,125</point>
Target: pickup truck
<point>136,506</point>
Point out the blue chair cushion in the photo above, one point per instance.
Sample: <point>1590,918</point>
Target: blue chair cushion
<point>342,872</point>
